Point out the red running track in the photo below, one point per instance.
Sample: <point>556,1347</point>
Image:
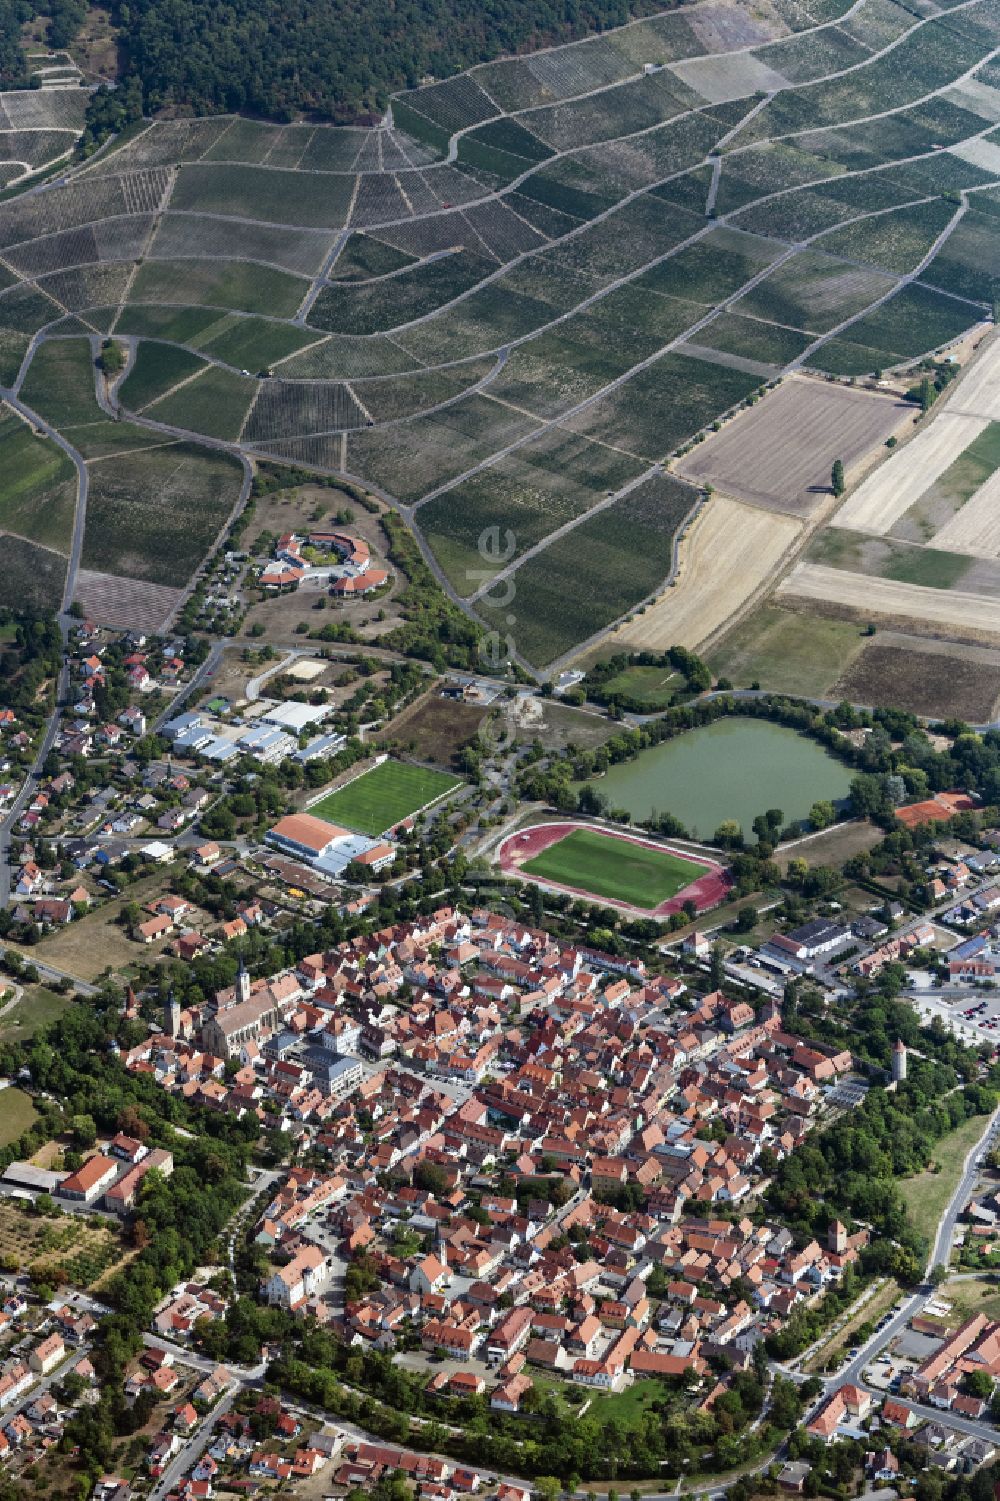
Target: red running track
<point>707,891</point>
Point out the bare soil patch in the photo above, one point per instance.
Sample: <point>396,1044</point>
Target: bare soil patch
<point>938,683</point>
<point>832,847</point>
<point>434,728</point>
<point>779,453</point>
<point>728,554</point>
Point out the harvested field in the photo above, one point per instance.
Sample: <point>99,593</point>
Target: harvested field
<point>978,389</point>
<point>129,604</point>
<point>729,553</point>
<point>779,453</point>
<point>941,682</point>
<point>975,528</point>
<point>969,616</point>
<point>887,494</point>
<point>719,79</point>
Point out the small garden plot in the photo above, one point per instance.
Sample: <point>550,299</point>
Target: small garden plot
<point>155,515</point>
<point>38,494</point>
<point>214,403</point>
<point>509,507</point>
<point>593,574</point>
<point>380,799</point>
<point>780,452</point>
<point>255,343</point>
<point>268,193</point>
<point>893,242</point>
<point>243,141</point>
<point>663,406</point>
<point>60,382</point>
<point>912,322</point>
<point>371,307</point>
<point>618,869</point>
<point>88,287</point>
<point>328,149</point>
<point>409,460</point>
<point>404,396</point>
<point>716,267</point>
<point>750,339</point>
<point>228,284</point>
<point>32,578</point>
<point>286,409</point>
<point>157,368</point>
<point>814,291</point>
<point>967,262</point>
<point>183,236</point>
<point>364,257</point>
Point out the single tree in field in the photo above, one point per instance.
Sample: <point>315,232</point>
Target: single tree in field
<point>837,477</point>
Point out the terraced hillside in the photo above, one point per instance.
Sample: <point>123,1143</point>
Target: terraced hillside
<point>510,306</point>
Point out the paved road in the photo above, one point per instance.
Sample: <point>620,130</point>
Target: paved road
<point>192,1450</point>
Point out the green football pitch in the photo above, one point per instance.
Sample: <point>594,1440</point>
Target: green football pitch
<point>384,796</point>
<point>614,868</point>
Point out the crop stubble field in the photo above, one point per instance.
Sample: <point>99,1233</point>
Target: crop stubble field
<point>574,281</point>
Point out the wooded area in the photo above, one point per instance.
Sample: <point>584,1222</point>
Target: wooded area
<point>335,58</point>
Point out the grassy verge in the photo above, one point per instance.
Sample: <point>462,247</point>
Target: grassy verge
<point>928,1193</point>
<point>17,1113</point>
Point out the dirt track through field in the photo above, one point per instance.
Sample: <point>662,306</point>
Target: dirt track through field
<point>947,609</point>
<point>730,551</point>
<point>887,494</point>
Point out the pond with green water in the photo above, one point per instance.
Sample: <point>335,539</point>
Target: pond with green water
<point>734,768</point>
